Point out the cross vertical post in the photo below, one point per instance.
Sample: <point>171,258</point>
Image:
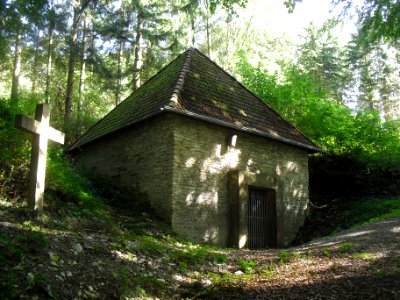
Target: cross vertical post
<point>41,132</point>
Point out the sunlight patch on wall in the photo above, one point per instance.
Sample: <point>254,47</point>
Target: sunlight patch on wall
<point>218,150</point>
<point>278,170</point>
<point>291,166</point>
<point>299,192</point>
<point>208,198</point>
<point>190,198</point>
<point>251,167</point>
<point>220,163</point>
<point>190,162</point>
<point>211,234</point>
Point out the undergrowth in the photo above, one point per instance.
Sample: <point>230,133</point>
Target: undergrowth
<point>122,267</point>
<point>368,211</point>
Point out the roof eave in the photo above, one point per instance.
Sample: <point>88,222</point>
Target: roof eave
<point>311,149</point>
<point>77,146</point>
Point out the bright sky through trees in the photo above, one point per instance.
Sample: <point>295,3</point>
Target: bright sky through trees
<point>273,16</point>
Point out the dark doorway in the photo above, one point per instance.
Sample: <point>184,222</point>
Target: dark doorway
<point>262,218</point>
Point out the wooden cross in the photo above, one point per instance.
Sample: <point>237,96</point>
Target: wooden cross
<point>42,132</point>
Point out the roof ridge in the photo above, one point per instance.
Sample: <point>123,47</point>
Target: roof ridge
<point>257,97</point>
<point>173,102</point>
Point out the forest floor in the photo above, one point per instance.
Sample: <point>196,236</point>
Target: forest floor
<point>74,252</point>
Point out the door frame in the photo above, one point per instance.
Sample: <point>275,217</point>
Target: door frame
<point>270,215</point>
<point>238,189</point>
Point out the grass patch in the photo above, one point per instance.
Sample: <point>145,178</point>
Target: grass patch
<point>266,273</point>
<point>285,256</point>
<point>364,255</point>
<point>326,252</point>
<point>346,247</point>
<point>367,211</point>
<point>247,265</point>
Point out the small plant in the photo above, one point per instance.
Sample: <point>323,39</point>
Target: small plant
<point>219,258</point>
<point>140,292</point>
<point>122,276</point>
<point>152,245</point>
<point>267,273</point>
<point>10,251</point>
<point>285,256</point>
<point>364,255</point>
<point>247,265</point>
<point>346,247</point>
<point>191,256</point>
<point>149,284</point>
<point>326,252</point>
<point>182,266</point>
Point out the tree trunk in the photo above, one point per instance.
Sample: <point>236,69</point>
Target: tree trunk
<point>119,73</point>
<point>137,58</point>
<point>71,67</point>
<point>82,76</point>
<point>17,66</point>
<point>208,34</point>
<point>193,30</point>
<point>91,51</point>
<point>35,63</point>
<point>79,8</point>
<point>49,63</point>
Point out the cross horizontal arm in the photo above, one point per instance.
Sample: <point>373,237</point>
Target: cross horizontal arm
<point>56,136</point>
<point>28,125</point>
<point>32,126</point>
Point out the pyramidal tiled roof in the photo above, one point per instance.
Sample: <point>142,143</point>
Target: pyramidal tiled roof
<point>195,86</point>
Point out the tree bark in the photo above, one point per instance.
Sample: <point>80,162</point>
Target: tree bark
<point>35,63</point>
<point>79,8</point>
<point>17,66</point>
<point>49,63</point>
<point>119,73</point>
<point>82,76</point>
<point>193,30</point>
<point>50,30</point>
<point>137,58</point>
<point>71,66</point>
<point>208,34</point>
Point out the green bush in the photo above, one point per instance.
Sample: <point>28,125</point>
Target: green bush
<point>363,136</point>
<point>14,144</point>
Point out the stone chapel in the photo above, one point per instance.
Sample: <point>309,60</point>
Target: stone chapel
<point>212,159</point>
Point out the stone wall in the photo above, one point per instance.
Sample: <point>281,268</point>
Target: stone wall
<point>202,160</point>
<point>181,166</point>
<point>137,160</point>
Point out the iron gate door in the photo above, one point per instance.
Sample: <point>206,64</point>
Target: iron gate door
<point>262,218</point>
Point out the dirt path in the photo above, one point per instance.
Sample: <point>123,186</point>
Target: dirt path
<point>360,263</point>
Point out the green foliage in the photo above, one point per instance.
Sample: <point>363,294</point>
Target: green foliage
<point>346,247</point>
<point>247,265</point>
<point>285,256</point>
<point>14,144</point>
<point>267,273</point>
<point>327,252</point>
<point>151,244</point>
<point>66,180</point>
<point>191,256</point>
<point>220,258</point>
<point>369,211</point>
<point>379,20</point>
<point>364,255</point>
<point>10,251</point>
<point>227,278</point>
<point>333,127</point>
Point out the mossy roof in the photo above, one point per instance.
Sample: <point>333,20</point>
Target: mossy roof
<point>195,86</point>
